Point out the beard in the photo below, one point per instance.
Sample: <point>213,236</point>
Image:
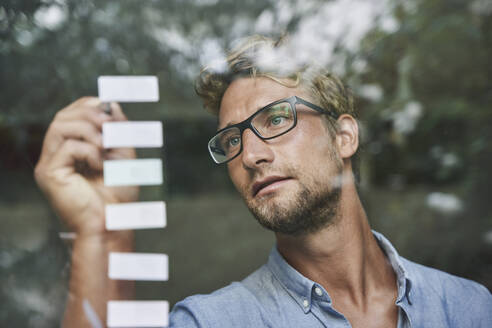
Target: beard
<point>311,208</point>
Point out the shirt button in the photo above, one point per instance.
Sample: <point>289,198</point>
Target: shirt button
<point>305,303</point>
<point>318,291</point>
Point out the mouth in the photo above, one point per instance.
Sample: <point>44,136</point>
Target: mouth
<point>268,184</point>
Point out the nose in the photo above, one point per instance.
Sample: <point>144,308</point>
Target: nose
<point>255,151</point>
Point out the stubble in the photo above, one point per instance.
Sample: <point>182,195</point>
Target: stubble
<point>311,207</point>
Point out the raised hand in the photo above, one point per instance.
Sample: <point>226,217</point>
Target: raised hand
<point>70,167</point>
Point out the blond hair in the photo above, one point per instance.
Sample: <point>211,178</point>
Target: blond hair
<point>327,90</point>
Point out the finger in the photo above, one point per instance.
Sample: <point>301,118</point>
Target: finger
<point>117,112</point>
<point>72,151</point>
<point>92,114</point>
<point>120,153</point>
<point>79,130</point>
<point>87,102</point>
<point>93,110</point>
<point>59,167</point>
<point>84,101</point>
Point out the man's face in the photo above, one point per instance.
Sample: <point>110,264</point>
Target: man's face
<point>290,183</point>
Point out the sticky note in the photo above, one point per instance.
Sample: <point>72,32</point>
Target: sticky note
<point>133,172</point>
<point>128,88</point>
<point>141,134</point>
<point>137,314</point>
<point>140,215</point>
<point>138,266</point>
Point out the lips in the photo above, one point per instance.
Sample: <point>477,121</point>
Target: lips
<point>259,185</point>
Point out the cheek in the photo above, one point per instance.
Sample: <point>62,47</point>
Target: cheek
<point>313,144</point>
<point>234,171</point>
<point>314,153</point>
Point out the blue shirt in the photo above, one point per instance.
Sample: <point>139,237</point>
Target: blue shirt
<point>277,295</point>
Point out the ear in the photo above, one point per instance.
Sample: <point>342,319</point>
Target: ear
<point>347,136</point>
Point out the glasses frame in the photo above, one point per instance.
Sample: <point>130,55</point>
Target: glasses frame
<point>246,124</point>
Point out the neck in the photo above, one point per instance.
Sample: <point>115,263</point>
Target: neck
<point>344,257</point>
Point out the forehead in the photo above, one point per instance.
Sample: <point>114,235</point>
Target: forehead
<point>245,96</point>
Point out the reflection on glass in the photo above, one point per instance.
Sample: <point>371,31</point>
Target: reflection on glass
<point>418,73</point>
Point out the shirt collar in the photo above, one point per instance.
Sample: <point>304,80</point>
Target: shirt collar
<point>301,288</point>
<point>403,279</point>
<point>298,286</point>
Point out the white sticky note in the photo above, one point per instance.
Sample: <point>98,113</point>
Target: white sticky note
<point>132,134</point>
<point>140,215</point>
<point>138,266</point>
<point>133,172</point>
<point>128,88</point>
<point>137,314</point>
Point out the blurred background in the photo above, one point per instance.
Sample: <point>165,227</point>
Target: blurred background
<point>420,70</point>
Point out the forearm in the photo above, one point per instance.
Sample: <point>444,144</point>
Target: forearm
<point>89,276</point>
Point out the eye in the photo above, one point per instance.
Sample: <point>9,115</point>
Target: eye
<point>233,141</point>
<point>229,140</point>
<point>277,120</point>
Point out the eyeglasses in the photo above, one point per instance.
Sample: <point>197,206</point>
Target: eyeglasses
<point>268,122</point>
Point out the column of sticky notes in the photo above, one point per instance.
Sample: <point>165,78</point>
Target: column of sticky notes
<point>137,215</point>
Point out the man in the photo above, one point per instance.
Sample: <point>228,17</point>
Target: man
<point>289,139</point>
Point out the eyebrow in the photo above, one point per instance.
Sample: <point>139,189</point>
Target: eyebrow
<point>227,125</point>
<point>258,109</point>
<point>232,123</point>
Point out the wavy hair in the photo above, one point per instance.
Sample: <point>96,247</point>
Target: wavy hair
<point>245,60</point>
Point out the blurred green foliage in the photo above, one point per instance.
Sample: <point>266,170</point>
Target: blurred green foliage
<point>439,61</point>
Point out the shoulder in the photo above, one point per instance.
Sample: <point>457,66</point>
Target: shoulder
<point>461,299</point>
<point>235,305</point>
<point>443,283</point>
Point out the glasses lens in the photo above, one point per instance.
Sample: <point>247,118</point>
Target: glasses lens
<point>274,120</point>
<point>225,145</point>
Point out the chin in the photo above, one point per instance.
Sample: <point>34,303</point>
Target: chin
<point>271,209</point>
<point>274,201</point>
<point>297,212</point>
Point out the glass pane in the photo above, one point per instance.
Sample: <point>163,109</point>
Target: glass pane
<point>420,74</point>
